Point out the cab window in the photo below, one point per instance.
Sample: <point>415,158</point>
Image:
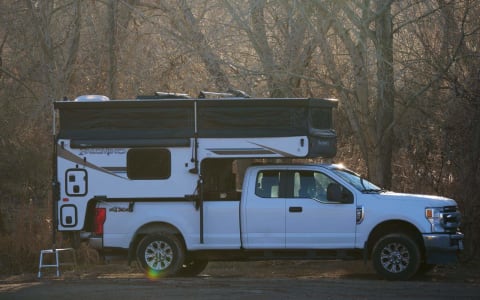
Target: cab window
<point>316,185</point>
<point>268,184</point>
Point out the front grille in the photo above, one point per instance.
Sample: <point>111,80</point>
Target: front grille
<point>451,218</point>
<point>450,209</point>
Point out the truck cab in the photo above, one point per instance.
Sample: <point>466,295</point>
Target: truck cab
<point>306,208</point>
<point>328,207</point>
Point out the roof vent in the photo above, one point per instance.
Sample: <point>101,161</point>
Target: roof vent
<point>91,98</point>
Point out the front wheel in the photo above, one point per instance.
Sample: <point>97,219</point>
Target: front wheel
<point>396,257</point>
<point>161,254</point>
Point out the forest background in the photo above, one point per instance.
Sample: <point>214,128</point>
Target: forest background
<point>406,73</point>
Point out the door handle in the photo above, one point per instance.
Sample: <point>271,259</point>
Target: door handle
<point>294,209</point>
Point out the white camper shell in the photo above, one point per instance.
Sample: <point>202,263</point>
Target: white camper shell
<point>149,149</point>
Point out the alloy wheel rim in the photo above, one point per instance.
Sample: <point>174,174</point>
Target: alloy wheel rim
<point>158,255</point>
<point>395,257</point>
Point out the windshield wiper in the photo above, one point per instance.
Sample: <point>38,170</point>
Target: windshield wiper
<point>363,185</point>
<point>370,191</point>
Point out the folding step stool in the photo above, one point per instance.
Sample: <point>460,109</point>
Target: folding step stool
<point>56,253</point>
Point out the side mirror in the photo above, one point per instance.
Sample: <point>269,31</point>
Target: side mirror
<point>334,193</point>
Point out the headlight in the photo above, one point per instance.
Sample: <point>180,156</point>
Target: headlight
<point>443,218</point>
<point>434,216</point>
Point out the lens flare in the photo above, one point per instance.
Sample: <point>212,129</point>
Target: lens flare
<point>154,274</point>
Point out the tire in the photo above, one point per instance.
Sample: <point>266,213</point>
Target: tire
<point>396,257</point>
<point>161,254</point>
<point>193,268</point>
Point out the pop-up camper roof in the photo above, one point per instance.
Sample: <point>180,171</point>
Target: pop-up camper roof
<point>179,119</point>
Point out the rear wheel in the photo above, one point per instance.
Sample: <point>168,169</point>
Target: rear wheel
<point>161,254</point>
<point>396,257</point>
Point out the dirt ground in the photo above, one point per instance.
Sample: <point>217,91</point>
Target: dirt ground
<point>252,280</point>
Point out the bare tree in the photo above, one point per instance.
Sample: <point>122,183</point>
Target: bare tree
<point>281,36</point>
<point>58,51</point>
<point>382,161</point>
<point>119,15</point>
<point>112,47</point>
<point>461,147</point>
<point>187,30</point>
<point>363,28</point>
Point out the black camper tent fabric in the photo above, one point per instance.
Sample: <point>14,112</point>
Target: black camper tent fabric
<point>114,120</point>
<point>251,118</point>
<point>173,119</point>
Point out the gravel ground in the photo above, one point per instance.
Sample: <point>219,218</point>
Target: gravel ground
<point>252,280</point>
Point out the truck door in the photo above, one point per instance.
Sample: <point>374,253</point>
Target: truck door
<point>314,222</point>
<point>264,216</point>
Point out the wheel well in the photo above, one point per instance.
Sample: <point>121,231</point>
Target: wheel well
<point>152,228</point>
<point>394,226</point>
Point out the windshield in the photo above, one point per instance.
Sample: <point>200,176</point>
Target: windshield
<point>357,181</point>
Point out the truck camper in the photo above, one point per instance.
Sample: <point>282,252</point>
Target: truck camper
<point>173,182</point>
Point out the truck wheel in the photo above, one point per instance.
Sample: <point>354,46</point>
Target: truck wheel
<point>193,267</point>
<point>161,254</point>
<point>396,257</point>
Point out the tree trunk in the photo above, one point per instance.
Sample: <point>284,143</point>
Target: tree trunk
<point>381,171</point>
<point>112,48</point>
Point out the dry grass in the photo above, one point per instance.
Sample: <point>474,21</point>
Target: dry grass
<point>29,232</point>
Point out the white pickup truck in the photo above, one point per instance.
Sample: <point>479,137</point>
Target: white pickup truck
<point>168,179</point>
<point>285,211</point>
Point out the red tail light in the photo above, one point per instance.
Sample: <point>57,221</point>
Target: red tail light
<point>100,217</point>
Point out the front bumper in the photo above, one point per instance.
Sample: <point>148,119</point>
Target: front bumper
<point>442,248</point>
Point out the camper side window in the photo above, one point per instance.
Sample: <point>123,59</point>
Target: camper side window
<point>148,164</point>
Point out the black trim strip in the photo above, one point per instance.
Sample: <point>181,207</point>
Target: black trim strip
<point>153,199</point>
<point>160,199</point>
<point>115,169</point>
<point>246,151</point>
<point>129,143</point>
